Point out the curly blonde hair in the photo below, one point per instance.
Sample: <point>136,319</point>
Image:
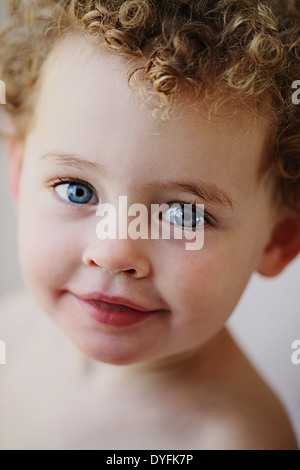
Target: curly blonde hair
<point>247,50</point>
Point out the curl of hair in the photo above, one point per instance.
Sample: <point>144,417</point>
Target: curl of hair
<point>242,50</point>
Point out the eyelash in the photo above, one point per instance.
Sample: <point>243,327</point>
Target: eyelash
<point>59,181</point>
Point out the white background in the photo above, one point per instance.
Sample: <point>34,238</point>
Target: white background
<point>265,323</point>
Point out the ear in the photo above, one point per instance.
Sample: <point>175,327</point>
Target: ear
<point>14,166</point>
<point>283,245</point>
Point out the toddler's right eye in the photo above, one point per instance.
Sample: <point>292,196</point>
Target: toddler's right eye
<point>76,192</point>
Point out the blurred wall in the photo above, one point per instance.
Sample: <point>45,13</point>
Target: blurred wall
<point>10,276</point>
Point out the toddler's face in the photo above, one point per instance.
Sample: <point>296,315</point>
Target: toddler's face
<point>86,111</point>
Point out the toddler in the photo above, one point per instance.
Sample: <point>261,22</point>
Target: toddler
<point>181,105</point>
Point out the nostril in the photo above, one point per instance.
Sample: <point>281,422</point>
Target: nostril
<point>130,271</point>
<point>92,263</point>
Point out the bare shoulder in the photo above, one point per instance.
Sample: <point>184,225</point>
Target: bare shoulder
<point>25,328</point>
<point>263,422</point>
<point>20,326</point>
<point>257,422</point>
<point>17,313</point>
<point>245,412</point>
<point>36,377</point>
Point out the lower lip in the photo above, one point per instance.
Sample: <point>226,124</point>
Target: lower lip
<point>120,318</point>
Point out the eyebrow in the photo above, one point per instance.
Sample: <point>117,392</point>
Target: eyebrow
<point>73,161</point>
<point>208,192</point>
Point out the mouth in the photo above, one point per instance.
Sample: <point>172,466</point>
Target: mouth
<point>114,314</point>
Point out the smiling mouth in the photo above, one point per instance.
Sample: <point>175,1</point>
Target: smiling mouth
<point>115,314</point>
<point>115,307</point>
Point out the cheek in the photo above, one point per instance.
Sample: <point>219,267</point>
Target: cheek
<point>192,282</point>
<point>205,286</point>
<point>194,286</point>
<point>49,252</point>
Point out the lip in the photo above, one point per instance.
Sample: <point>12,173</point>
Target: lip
<point>115,311</point>
<point>110,299</point>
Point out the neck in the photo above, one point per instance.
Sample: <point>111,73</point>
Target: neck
<point>203,364</point>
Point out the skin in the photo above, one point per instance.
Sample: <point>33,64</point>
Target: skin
<point>85,108</point>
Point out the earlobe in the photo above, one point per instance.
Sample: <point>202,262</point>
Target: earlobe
<point>14,165</point>
<point>283,247</point>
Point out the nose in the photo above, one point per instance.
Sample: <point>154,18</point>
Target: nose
<point>117,257</point>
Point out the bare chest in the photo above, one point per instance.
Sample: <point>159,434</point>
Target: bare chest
<point>57,410</point>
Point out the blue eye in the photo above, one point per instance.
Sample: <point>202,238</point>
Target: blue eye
<point>77,193</point>
<point>185,215</point>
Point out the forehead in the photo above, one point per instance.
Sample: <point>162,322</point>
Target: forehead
<point>85,100</point>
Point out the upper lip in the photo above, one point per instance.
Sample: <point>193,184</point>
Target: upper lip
<point>114,301</point>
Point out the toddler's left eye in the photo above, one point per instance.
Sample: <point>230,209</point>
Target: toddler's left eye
<point>77,193</point>
<point>185,215</point>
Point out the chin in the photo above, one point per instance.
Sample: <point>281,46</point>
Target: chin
<point>115,358</point>
<point>109,352</point>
